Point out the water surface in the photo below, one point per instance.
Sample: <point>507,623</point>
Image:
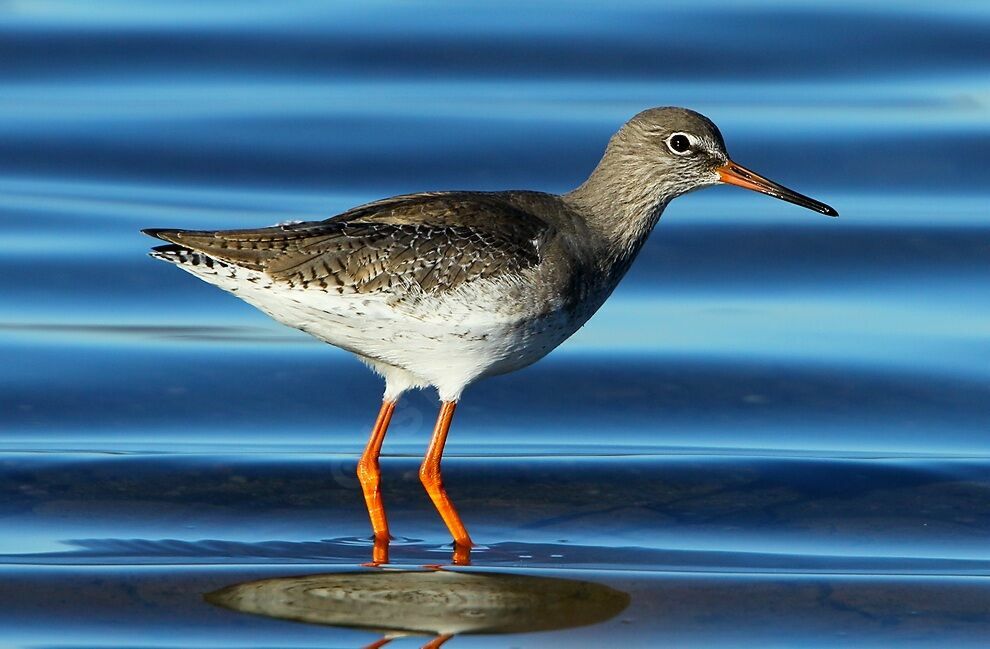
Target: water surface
<point>773,434</point>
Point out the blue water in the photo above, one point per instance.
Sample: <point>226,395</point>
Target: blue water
<point>774,434</point>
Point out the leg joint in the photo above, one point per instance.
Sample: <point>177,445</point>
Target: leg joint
<point>368,472</point>
<point>429,474</point>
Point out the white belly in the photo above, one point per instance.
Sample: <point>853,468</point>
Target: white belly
<point>447,341</point>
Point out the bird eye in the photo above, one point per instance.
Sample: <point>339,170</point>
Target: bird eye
<point>679,143</point>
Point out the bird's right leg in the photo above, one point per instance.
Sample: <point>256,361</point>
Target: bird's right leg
<point>370,476</point>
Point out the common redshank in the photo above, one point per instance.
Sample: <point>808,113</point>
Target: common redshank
<point>444,288</point>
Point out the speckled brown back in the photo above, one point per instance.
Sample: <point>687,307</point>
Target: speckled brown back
<point>435,241</point>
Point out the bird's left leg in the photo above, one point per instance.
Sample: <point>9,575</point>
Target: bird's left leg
<point>378,643</point>
<point>429,475</point>
<point>370,475</point>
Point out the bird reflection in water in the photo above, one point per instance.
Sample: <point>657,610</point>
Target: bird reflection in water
<point>437,603</point>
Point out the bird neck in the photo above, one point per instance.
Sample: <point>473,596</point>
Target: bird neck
<point>622,209</point>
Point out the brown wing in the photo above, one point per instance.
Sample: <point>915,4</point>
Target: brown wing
<point>432,241</point>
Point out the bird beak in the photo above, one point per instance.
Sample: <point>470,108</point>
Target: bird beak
<point>740,176</point>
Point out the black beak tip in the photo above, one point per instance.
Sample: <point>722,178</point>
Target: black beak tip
<point>828,211</point>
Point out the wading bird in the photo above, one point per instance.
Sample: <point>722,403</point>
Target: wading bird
<point>444,288</point>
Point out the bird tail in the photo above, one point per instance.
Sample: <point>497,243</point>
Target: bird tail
<point>176,253</point>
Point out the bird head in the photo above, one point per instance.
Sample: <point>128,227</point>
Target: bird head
<point>658,155</point>
<point>681,151</point>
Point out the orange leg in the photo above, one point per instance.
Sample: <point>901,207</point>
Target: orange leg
<point>437,641</point>
<point>370,476</point>
<point>429,475</point>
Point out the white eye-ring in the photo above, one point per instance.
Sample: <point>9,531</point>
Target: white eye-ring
<point>679,143</point>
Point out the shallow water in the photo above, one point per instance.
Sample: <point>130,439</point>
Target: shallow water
<point>773,434</point>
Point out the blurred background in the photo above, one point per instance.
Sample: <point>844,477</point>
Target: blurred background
<point>767,386</point>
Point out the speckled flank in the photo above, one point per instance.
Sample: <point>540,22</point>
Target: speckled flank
<point>440,339</point>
